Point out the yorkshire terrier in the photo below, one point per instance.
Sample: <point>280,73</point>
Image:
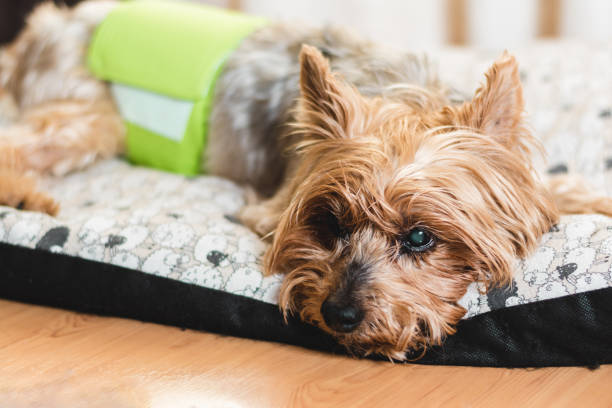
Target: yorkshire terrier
<point>382,196</point>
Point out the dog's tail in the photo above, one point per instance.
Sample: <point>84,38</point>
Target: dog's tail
<point>573,195</point>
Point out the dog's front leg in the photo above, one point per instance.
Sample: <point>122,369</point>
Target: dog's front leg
<point>262,216</point>
<point>572,195</point>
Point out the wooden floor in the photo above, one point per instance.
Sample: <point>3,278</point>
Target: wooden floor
<point>53,358</point>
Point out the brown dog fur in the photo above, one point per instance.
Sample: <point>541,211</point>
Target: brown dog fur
<point>18,189</point>
<point>380,169</point>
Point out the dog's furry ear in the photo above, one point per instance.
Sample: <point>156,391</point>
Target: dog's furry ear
<point>327,104</point>
<point>497,107</point>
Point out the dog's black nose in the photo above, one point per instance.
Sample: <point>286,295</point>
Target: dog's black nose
<point>342,318</point>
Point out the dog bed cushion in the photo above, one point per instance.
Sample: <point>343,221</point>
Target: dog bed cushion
<point>140,243</point>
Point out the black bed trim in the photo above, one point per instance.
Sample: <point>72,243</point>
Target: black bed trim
<point>572,330</point>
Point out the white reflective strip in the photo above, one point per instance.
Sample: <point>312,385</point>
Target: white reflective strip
<point>157,113</point>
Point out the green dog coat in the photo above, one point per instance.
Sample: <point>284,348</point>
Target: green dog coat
<point>162,59</point>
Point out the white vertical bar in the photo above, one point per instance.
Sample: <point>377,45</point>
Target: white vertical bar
<point>589,20</point>
<point>500,24</point>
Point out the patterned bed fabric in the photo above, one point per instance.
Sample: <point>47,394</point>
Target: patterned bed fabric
<point>135,242</point>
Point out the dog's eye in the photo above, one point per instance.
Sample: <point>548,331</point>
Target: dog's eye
<point>20,205</point>
<point>417,240</point>
<point>328,229</point>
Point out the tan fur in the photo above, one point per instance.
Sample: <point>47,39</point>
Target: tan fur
<point>17,189</point>
<point>63,136</point>
<point>381,168</point>
<point>574,196</point>
<point>364,168</point>
<point>53,114</point>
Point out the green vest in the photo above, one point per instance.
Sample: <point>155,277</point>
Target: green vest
<point>162,59</point>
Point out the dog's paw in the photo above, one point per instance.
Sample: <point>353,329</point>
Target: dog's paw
<point>19,191</point>
<point>251,197</point>
<point>40,202</point>
<point>604,206</point>
<point>259,218</point>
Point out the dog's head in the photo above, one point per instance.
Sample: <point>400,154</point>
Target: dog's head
<point>397,206</point>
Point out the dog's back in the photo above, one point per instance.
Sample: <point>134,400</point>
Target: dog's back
<point>257,92</point>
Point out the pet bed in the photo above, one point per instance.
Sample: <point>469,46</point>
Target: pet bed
<point>140,243</point>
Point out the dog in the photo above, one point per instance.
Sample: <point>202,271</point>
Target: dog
<point>382,196</point>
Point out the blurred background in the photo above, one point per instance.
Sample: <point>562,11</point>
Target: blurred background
<point>416,24</point>
<point>420,25</point>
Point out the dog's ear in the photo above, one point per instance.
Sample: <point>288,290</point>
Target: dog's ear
<point>327,104</point>
<point>497,107</point>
